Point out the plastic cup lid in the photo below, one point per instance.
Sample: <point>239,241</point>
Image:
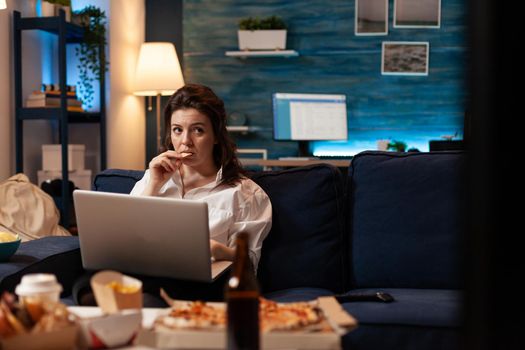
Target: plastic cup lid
<point>38,283</point>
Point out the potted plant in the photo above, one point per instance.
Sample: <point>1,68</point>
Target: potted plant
<point>80,18</point>
<point>51,8</point>
<point>92,63</point>
<point>397,146</point>
<point>262,34</point>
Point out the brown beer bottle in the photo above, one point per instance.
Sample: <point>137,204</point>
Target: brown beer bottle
<point>242,298</point>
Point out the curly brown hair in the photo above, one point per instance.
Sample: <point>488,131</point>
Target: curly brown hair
<point>204,100</point>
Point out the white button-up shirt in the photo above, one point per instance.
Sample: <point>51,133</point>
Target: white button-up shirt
<point>231,210</point>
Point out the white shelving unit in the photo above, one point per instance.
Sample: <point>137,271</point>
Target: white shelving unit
<point>269,53</point>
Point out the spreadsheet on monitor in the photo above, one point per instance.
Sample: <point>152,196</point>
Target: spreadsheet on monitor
<point>308,117</point>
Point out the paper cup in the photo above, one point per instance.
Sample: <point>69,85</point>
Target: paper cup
<point>115,291</point>
<point>39,287</point>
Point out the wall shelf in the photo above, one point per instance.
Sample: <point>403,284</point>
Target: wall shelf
<point>269,53</point>
<point>73,33</point>
<point>50,113</point>
<point>242,128</point>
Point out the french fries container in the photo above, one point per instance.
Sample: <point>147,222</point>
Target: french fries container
<point>115,291</point>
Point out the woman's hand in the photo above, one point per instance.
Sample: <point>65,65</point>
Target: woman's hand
<point>221,252</point>
<point>161,168</point>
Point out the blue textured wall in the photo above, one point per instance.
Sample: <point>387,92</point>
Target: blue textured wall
<point>332,60</point>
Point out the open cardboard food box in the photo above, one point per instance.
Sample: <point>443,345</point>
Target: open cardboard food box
<point>65,338</point>
<point>336,323</point>
<point>37,322</point>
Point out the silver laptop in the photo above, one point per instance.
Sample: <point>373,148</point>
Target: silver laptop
<point>150,236</point>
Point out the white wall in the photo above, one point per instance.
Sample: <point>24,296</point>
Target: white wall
<point>127,125</point>
<point>125,113</point>
<point>5,94</point>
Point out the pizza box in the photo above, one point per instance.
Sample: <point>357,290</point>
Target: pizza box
<point>217,340</point>
<point>338,319</point>
<point>65,338</point>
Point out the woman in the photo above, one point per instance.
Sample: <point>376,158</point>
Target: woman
<point>200,164</point>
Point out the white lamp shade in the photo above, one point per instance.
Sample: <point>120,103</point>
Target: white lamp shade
<point>158,70</point>
<point>3,4</point>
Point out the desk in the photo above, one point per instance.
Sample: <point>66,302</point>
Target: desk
<point>340,163</point>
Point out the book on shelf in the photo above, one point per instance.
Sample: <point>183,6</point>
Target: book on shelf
<point>75,109</point>
<point>54,93</point>
<point>51,102</point>
<point>69,108</point>
<point>52,99</point>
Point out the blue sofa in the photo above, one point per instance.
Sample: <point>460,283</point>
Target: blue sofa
<point>391,223</point>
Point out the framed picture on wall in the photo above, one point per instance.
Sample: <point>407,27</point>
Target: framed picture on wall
<point>417,13</point>
<point>371,17</point>
<point>404,58</point>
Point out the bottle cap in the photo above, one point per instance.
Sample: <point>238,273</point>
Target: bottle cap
<point>38,283</point>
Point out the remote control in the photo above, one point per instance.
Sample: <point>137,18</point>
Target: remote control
<point>378,296</point>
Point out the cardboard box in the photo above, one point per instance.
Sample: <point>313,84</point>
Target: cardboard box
<point>217,340</point>
<point>52,157</point>
<point>339,320</point>
<point>81,178</point>
<point>114,301</point>
<point>65,338</point>
<point>108,331</point>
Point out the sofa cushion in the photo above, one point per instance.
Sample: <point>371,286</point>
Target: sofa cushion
<point>56,255</point>
<point>117,180</point>
<point>297,294</point>
<point>411,307</point>
<point>306,245</point>
<point>395,337</point>
<point>405,219</point>
<point>416,319</point>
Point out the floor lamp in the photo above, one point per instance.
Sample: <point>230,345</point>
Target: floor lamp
<point>158,74</point>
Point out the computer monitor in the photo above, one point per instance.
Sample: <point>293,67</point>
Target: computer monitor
<point>309,117</point>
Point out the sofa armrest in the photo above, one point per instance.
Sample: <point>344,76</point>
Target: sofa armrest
<point>57,255</point>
